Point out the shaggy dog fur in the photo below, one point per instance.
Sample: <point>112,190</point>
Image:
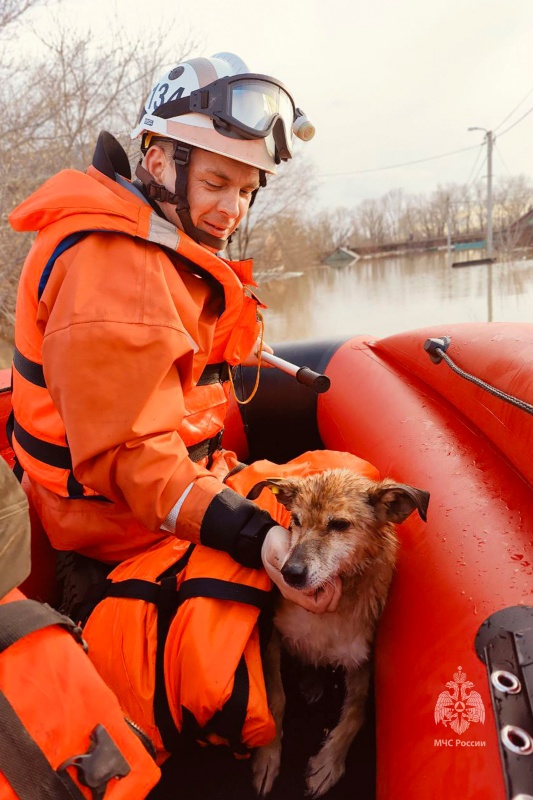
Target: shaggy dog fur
<point>342,524</point>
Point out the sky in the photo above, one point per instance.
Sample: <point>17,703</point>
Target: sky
<point>386,82</point>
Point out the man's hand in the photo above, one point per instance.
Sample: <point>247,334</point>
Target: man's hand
<point>251,360</point>
<point>273,554</point>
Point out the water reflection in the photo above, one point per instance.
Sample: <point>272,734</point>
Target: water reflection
<point>384,296</point>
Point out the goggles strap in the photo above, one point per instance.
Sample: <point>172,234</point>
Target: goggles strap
<point>262,183</point>
<point>280,140</point>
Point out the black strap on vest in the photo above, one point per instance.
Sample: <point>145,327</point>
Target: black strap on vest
<point>205,448</point>
<point>22,617</point>
<point>57,455</point>
<point>30,370</point>
<point>22,761</point>
<point>228,721</point>
<point>214,373</point>
<point>217,589</point>
<point>18,472</point>
<point>25,766</point>
<point>163,593</point>
<point>31,775</point>
<point>53,454</point>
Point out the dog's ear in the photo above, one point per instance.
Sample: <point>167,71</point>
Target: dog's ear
<point>394,502</point>
<point>284,490</point>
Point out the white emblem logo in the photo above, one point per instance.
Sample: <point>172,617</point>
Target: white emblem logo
<point>458,707</point>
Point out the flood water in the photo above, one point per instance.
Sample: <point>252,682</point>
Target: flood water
<point>383,296</point>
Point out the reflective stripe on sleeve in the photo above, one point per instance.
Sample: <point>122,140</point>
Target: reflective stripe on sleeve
<point>169,523</point>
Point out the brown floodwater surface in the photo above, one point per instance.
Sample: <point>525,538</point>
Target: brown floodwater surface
<point>383,296</point>
<point>388,295</point>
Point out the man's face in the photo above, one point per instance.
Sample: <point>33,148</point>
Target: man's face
<point>219,191</point>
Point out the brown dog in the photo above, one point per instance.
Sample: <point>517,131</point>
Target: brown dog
<point>341,525</point>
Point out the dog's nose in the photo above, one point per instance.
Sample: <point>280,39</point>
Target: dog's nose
<point>294,572</point>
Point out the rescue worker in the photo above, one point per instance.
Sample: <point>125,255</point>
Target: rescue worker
<point>128,317</point>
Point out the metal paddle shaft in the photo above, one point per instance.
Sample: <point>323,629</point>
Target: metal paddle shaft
<point>304,375</point>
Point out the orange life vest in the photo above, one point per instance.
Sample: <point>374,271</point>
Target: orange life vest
<point>100,206</point>
<point>63,732</point>
<point>184,654</point>
<point>309,463</point>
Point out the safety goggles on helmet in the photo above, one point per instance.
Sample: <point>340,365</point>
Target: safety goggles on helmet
<point>245,106</point>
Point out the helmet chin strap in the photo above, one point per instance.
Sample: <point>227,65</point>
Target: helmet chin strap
<point>178,198</point>
<point>182,157</point>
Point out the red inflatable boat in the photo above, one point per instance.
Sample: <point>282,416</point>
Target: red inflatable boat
<point>448,410</point>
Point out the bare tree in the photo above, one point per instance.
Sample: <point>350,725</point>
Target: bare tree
<point>513,198</point>
<point>394,207</point>
<point>287,194</point>
<point>371,221</point>
<point>330,230</point>
<point>72,90</point>
<point>287,244</point>
<point>12,11</point>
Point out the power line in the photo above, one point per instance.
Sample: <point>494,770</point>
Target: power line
<point>497,148</point>
<point>428,158</point>
<point>470,179</point>
<point>513,111</point>
<point>516,123</point>
<point>395,166</point>
<point>476,176</point>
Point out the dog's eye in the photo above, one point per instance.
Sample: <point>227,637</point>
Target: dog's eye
<point>295,521</point>
<point>338,524</point>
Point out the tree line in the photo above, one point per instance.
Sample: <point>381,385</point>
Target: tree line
<point>58,90</point>
<point>63,87</point>
<point>296,238</point>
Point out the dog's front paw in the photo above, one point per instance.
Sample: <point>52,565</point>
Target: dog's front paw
<point>265,767</point>
<point>323,771</point>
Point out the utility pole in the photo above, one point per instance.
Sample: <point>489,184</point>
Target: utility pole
<point>490,244</point>
<point>489,138</point>
<point>449,235</point>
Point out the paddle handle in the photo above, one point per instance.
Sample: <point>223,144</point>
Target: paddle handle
<point>305,375</point>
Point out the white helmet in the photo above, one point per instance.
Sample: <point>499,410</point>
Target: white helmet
<point>218,105</point>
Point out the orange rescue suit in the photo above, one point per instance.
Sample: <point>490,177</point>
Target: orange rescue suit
<point>112,336</point>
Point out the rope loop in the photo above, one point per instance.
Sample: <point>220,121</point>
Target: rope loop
<point>258,373</point>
